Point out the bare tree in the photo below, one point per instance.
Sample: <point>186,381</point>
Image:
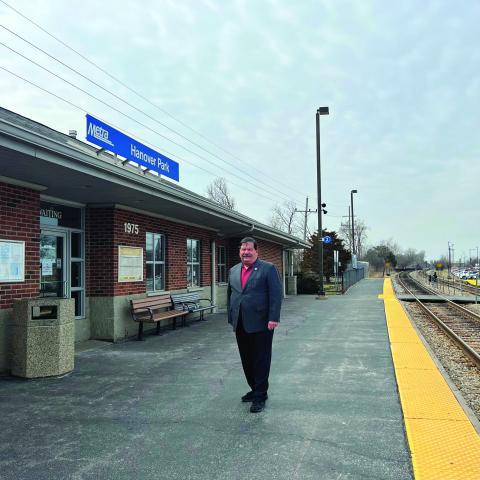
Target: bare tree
<point>219,193</point>
<point>411,258</point>
<point>380,257</point>
<point>285,218</point>
<point>392,245</point>
<point>360,238</point>
<point>360,231</point>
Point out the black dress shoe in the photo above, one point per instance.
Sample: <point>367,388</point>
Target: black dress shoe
<point>248,397</point>
<point>257,406</point>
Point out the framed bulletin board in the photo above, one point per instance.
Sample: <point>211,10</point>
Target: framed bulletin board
<point>130,264</point>
<point>12,261</point>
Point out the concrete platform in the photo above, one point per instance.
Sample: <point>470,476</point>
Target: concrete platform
<point>169,407</point>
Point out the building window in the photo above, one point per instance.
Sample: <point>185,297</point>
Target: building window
<point>193,263</point>
<point>222,265</point>
<point>77,272</point>
<point>155,249</point>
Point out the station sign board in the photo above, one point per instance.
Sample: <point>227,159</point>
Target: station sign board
<point>111,139</point>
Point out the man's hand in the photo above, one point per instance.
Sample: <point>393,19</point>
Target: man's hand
<point>272,325</point>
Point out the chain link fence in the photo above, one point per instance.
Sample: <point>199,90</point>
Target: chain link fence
<point>351,276</point>
<point>307,283</point>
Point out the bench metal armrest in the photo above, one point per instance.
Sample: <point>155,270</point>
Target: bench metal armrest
<point>143,309</point>
<point>207,300</point>
<point>190,306</point>
<point>184,305</point>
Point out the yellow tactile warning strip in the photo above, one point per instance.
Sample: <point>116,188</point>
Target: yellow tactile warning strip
<point>443,443</point>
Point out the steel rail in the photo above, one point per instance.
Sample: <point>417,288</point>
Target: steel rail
<point>472,353</point>
<point>461,285</point>
<point>458,285</point>
<point>468,312</point>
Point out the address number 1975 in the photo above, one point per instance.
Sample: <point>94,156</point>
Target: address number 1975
<point>131,228</point>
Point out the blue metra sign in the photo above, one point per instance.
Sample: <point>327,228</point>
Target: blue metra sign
<point>114,141</point>
<point>327,239</point>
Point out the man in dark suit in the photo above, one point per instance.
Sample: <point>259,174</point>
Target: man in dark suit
<point>254,298</point>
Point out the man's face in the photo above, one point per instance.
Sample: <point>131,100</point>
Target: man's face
<point>248,254</point>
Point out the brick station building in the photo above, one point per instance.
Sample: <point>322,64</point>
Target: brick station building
<point>78,222</point>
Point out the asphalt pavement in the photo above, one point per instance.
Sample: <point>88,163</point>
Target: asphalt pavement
<point>169,407</point>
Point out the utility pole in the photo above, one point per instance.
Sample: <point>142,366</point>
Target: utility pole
<point>305,221</point>
<point>450,257</point>
<point>306,212</point>
<point>448,266</point>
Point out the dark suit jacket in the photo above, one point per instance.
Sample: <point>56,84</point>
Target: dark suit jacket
<point>259,301</point>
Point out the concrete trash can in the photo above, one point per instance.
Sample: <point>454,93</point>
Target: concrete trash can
<point>43,337</point>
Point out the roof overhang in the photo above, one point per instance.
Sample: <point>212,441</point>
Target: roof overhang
<point>66,168</point>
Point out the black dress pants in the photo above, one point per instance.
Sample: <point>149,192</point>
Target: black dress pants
<point>256,354</point>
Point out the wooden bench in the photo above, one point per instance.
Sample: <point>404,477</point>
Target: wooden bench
<point>155,309</point>
<point>191,303</point>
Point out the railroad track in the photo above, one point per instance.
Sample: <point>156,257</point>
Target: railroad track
<point>454,285</point>
<point>461,285</point>
<point>461,324</point>
<point>411,286</point>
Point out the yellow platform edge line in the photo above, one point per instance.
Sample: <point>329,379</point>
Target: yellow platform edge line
<point>443,442</point>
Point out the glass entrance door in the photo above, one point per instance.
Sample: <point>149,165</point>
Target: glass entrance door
<point>52,264</point>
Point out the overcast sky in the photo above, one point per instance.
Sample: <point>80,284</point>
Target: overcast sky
<point>243,80</point>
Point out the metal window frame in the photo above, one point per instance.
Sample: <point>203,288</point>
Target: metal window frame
<point>222,265</point>
<point>156,262</point>
<point>192,263</point>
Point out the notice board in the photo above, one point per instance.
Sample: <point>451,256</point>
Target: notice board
<point>12,261</point>
<point>130,264</point>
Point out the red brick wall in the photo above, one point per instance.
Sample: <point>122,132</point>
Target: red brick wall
<point>19,220</point>
<point>100,252</point>
<point>270,252</point>
<point>131,240</point>
<point>232,252</point>
<point>106,231</point>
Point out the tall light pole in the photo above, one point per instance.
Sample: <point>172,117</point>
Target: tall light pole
<point>353,220</point>
<point>321,290</point>
<point>350,229</point>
